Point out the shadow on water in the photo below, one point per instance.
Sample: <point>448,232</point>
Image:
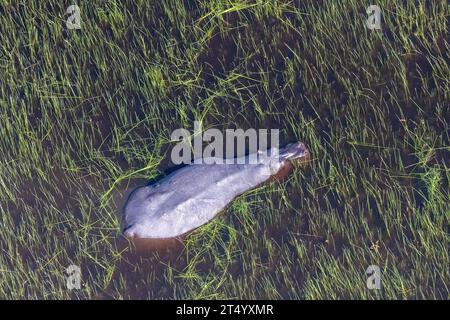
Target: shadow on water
<point>142,261</point>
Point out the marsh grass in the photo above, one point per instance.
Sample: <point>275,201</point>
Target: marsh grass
<point>86,113</point>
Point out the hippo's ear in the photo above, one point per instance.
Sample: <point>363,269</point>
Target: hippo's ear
<point>129,231</point>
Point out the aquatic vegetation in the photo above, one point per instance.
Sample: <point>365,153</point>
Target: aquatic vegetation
<point>87,114</point>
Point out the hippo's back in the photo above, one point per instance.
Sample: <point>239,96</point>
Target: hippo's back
<point>188,198</point>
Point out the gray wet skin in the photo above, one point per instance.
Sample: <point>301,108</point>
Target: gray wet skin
<point>196,193</point>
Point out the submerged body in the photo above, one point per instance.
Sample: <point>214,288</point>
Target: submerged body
<point>195,194</point>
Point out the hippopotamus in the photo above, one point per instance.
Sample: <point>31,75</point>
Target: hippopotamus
<point>193,195</point>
